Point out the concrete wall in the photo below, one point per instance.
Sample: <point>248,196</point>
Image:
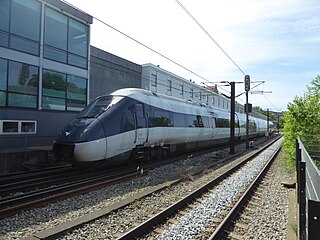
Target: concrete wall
<point>48,126</point>
<point>109,73</point>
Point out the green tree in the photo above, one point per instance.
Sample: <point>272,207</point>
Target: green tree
<point>303,119</point>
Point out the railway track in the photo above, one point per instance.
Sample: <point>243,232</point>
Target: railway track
<point>27,191</point>
<point>210,210</point>
<point>67,227</point>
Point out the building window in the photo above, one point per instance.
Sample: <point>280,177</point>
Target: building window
<point>78,38</point>
<point>181,89</point>
<point>18,127</point>
<point>65,39</point>
<point>4,22</point>
<point>25,26</point>
<point>55,35</point>
<point>200,96</point>
<point>53,90</point>
<point>212,100</point>
<point>63,92</point>
<point>22,86</point>
<point>153,80</point>
<point>169,86</point>
<point>191,93</point>
<point>3,81</point>
<point>76,93</point>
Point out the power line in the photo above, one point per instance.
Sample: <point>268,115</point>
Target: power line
<point>203,29</point>
<point>158,53</point>
<point>140,43</point>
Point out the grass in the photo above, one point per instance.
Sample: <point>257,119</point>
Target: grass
<point>294,228</point>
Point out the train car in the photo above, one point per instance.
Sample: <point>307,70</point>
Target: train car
<point>133,124</point>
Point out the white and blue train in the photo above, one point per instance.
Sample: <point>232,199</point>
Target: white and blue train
<point>131,123</point>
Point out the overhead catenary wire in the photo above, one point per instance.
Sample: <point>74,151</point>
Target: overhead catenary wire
<point>206,32</point>
<point>140,43</point>
<point>162,55</point>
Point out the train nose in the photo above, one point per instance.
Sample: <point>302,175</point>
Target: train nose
<point>63,152</point>
<point>92,145</point>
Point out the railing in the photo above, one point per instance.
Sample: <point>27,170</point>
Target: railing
<point>308,193</point>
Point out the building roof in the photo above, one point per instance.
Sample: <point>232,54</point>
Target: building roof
<point>71,10</point>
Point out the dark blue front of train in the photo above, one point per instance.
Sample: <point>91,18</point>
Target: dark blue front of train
<point>106,116</point>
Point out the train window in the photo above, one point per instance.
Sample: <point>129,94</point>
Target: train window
<point>99,106</point>
<point>252,126</point>
<point>141,122</point>
<point>179,120</point>
<point>206,122</point>
<point>161,118</point>
<point>192,121</point>
<point>199,122</point>
<point>222,123</point>
<point>127,119</point>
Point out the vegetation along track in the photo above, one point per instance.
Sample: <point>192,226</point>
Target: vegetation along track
<point>117,212</point>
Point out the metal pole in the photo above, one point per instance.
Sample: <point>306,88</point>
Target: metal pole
<point>268,130</point>
<point>247,121</point>
<point>302,201</point>
<point>232,118</point>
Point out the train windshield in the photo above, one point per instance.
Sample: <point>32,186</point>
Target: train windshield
<point>99,106</point>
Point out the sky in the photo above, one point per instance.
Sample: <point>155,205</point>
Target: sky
<point>275,42</point>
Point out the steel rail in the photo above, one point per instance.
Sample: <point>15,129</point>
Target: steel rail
<point>228,220</point>
<point>78,222</point>
<point>174,208</point>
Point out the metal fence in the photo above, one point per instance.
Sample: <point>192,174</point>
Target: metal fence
<point>308,191</point>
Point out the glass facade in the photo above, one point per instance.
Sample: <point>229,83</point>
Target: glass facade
<point>3,81</point>
<point>65,39</point>
<point>4,22</point>
<point>76,93</point>
<point>16,33</point>
<point>18,84</point>
<point>55,35</point>
<point>63,92</point>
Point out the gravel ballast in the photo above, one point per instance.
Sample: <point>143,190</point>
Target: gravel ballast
<point>24,224</point>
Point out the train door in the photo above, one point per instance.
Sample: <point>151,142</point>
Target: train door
<point>141,134</point>
<point>236,126</point>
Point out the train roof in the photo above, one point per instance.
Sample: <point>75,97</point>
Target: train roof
<point>168,102</point>
<point>173,103</point>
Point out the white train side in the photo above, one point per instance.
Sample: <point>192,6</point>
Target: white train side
<point>135,123</point>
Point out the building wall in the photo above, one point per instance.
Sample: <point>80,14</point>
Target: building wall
<point>44,70</point>
<point>46,77</point>
<point>109,73</point>
<point>159,80</point>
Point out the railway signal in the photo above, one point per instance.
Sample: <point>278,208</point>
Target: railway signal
<point>247,89</point>
<point>247,83</point>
